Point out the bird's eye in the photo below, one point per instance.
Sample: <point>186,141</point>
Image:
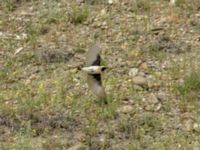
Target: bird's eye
<point>104,68</point>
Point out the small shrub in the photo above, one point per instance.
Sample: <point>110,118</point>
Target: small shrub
<point>79,15</point>
<point>143,5</point>
<point>32,31</point>
<point>9,4</point>
<point>189,92</point>
<point>191,84</point>
<point>80,47</point>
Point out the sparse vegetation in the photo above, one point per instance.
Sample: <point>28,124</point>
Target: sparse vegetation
<point>189,92</point>
<point>191,84</point>
<point>32,33</point>
<point>45,102</point>
<point>8,5</point>
<point>78,14</point>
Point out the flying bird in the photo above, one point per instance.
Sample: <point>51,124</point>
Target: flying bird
<point>94,69</point>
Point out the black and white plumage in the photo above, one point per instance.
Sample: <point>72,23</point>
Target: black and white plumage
<point>94,70</point>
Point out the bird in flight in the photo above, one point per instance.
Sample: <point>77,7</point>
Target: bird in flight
<point>94,69</point>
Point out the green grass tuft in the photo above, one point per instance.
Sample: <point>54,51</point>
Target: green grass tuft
<point>79,14</point>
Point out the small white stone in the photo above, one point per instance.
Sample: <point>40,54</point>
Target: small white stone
<point>133,72</point>
<point>172,2</point>
<point>196,126</point>
<point>103,12</point>
<point>158,107</point>
<point>17,51</point>
<point>110,1</point>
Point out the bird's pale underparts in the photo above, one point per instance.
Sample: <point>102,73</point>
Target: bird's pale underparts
<point>94,69</point>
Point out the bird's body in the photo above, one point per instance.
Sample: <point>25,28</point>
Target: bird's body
<point>95,85</point>
<point>94,70</point>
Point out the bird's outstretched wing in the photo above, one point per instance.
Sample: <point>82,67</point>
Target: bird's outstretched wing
<point>93,57</point>
<point>95,84</point>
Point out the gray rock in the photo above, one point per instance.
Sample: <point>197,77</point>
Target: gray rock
<point>52,56</point>
<point>153,99</point>
<point>137,87</point>
<point>161,96</point>
<point>139,80</point>
<point>125,109</point>
<point>188,125</point>
<point>141,74</point>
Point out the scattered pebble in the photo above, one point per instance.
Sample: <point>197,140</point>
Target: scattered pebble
<point>158,107</point>
<point>110,1</point>
<point>196,127</point>
<point>133,72</point>
<point>187,124</point>
<point>144,66</point>
<point>153,99</point>
<point>137,87</point>
<point>139,80</point>
<point>125,109</point>
<point>161,96</point>
<point>77,146</point>
<point>17,51</point>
